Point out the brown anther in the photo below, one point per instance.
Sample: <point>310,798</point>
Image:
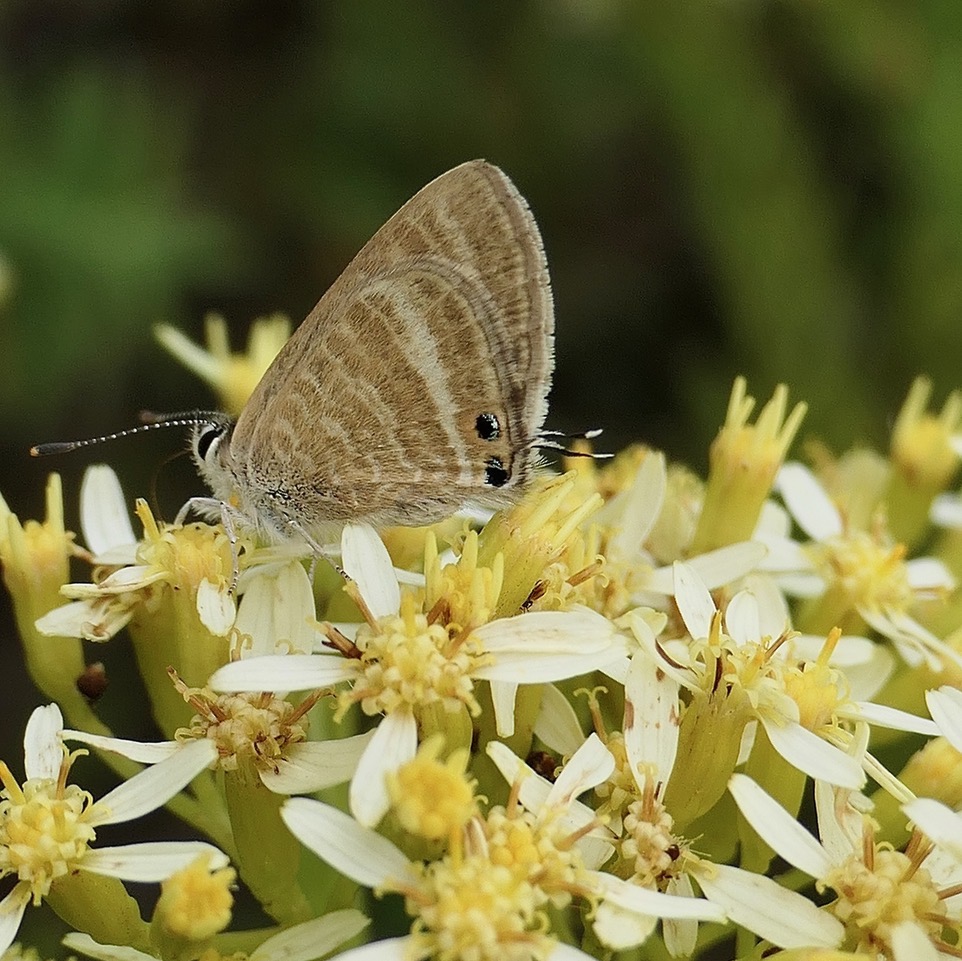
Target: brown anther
<point>305,706</point>
<point>440,612</point>
<point>338,641</point>
<point>579,577</point>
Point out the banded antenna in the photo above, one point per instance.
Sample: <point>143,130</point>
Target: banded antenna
<point>546,443</point>
<point>151,421</point>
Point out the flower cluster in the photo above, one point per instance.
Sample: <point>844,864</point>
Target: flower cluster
<point>636,711</point>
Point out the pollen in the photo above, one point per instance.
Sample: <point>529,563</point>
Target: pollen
<point>188,555</point>
<point>44,829</point>
<point>649,846</point>
<point>433,799</point>
<point>256,726</point>
<point>872,899</point>
<point>868,569</point>
<point>536,851</point>
<point>478,911</point>
<point>465,592</point>
<point>408,661</point>
<point>195,903</point>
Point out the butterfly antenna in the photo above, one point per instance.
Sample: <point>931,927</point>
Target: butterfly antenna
<point>151,421</point>
<point>546,443</point>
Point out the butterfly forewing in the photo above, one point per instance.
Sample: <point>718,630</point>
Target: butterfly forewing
<point>420,379</point>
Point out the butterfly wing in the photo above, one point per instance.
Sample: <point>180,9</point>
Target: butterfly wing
<point>420,379</point>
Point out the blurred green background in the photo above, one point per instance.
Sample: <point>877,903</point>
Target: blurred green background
<point>765,188</point>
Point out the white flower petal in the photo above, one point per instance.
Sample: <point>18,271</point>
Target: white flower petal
<point>312,939</point>
<point>146,752</point>
<point>11,913</point>
<point>758,903</point>
<point>620,929</point>
<point>512,768</point>
<point>124,581</point>
<point>911,943</point>
<point>504,695</point>
<point>277,612</point>
<point>103,511</point>
<point>773,614</point>
<point>946,511</point>
<point>150,861</point>
<point>777,828</point>
<point>840,826</point>
<point>652,718</point>
<point>215,607</point>
<point>391,949</point>
<point>42,750</point>
<point>367,562</point>
<point>742,621</point>
<point>680,934</point>
<point>75,941</point>
<point>784,555</point>
<point>545,645</point>
<point>694,602</point>
<point>726,564</point>
<point>557,724</point>
<point>282,672</point>
<point>84,619</point>
<point>945,706</point>
<point>940,823</point>
<point>395,742</point>
<point>655,903</point>
<point>813,756</point>
<point>773,520</point>
<point>891,717</point>
<point>358,852</point>
<point>589,766</point>
<point>634,511</point>
<point>155,786</point>
<point>929,574</point>
<point>314,765</point>
<point>805,497</point>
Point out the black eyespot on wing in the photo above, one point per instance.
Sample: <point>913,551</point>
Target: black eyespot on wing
<point>494,473</point>
<point>207,437</point>
<point>488,427</point>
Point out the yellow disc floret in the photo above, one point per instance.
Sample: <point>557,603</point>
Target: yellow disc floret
<point>45,828</point>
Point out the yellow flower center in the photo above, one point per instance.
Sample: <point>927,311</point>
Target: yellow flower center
<point>535,851</point>
<point>406,661</point>
<point>190,554</point>
<point>464,592</point>
<point>44,829</point>
<point>257,726</point>
<point>872,898</point>
<point>479,910</point>
<point>433,799</point>
<point>195,903</point>
<point>869,571</point>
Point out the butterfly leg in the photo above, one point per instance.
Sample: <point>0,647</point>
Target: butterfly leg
<point>205,506</point>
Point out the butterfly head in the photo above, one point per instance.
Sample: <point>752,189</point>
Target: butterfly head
<point>210,446</point>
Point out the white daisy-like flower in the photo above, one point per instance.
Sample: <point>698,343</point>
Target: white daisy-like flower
<point>47,826</point>
<point>490,895</point>
<point>627,912</point>
<point>401,663</point>
<point>267,731</point>
<point>300,942</point>
<point>652,855</point>
<point>804,707</point>
<point>878,889</point>
<point>195,560</point>
<point>860,573</point>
